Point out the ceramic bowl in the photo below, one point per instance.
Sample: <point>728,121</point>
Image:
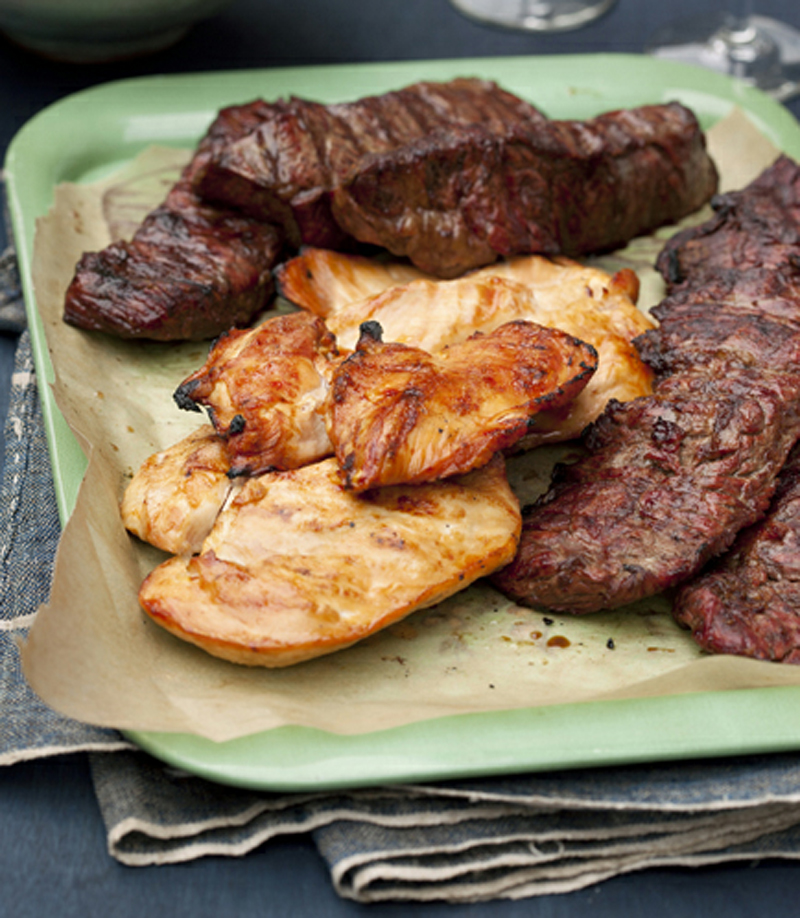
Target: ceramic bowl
<point>85,31</point>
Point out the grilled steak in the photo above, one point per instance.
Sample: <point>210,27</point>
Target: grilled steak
<point>757,227</point>
<point>671,479</point>
<point>191,271</point>
<point>455,175</point>
<point>285,170</point>
<point>748,602</point>
<point>459,199</point>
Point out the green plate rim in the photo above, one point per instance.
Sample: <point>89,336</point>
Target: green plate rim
<point>118,119</point>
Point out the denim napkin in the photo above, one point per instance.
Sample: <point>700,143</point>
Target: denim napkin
<point>459,841</point>
<point>12,306</point>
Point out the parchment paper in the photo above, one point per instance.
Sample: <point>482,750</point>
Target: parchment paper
<point>93,655</point>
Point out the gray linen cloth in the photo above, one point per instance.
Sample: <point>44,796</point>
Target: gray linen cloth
<point>460,841</point>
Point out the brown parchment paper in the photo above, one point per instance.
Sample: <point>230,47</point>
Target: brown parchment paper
<point>93,655</point>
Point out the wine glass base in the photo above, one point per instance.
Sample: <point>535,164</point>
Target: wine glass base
<point>534,15</point>
<point>761,51</point>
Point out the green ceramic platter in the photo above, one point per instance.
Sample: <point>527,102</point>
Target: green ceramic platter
<point>90,133</point>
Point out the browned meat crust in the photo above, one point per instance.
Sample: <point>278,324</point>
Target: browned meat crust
<point>457,200</point>
<point>456,175</point>
<point>191,271</point>
<point>748,603</point>
<point>756,227</point>
<point>670,479</point>
<point>451,175</point>
<point>285,170</point>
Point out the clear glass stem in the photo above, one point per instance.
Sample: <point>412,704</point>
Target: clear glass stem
<point>756,49</point>
<point>535,15</point>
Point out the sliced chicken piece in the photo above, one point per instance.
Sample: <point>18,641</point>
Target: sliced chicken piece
<point>621,375</point>
<point>561,283</point>
<point>174,498</point>
<point>297,567</point>
<point>322,281</point>
<point>436,314</point>
<point>559,293</point>
<point>400,414</point>
<point>336,284</point>
<point>266,390</point>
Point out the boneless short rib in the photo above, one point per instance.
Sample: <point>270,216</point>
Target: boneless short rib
<point>285,170</point>
<point>670,479</point>
<point>454,176</point>
<point>192,269</point>
<point>461,199</point>
<point>748,602</point>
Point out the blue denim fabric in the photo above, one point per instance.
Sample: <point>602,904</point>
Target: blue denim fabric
<point>29,532</point>
<point>12,306</point>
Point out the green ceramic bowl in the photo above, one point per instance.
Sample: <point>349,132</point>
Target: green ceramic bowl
<point>86,31</point>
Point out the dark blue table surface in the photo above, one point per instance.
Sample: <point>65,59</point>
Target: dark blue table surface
<point>52,843</point>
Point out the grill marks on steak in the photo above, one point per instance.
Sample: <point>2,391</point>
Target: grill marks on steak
<point>668,482</point>
<point>456,175</point>
<point>756,227</point>
<point>457,200</point>
<point>670,479</point>
<point>286,169</point>
<point>748,602</point>
<point>192,269</point>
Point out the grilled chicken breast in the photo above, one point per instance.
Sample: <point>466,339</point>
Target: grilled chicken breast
<point>324,281</point>
<point>174,498</point>
<point>400,414</point>
<point>297,567</point>
<point>328,283</point>
<point>586,302</point>
<point>266,390</point>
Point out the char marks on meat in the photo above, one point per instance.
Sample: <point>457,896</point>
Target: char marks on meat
<point>400,414</point>
<point>265,389</point>
<point>461,199</point>
<point>748,602</point>
<point>456,175</point>
<point>191,270</point>
<point>285,170</point>
<point>670,479</point>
